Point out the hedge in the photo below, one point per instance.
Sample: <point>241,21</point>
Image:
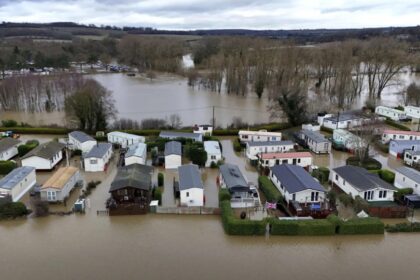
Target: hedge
<point>403,227</point>
<point>322,174</point>
<point>27,147</point>
<point>161,179</point>
<point>358,226</point>
<point>237,146</point>
<point>6,166</point>
<point>271,193</point>
<point>385,174</point>
<point>362,226</point>
<point>302,227</point>
<point>326,129</point>
<point>36,130</point>
<point>235,226</point>
<point>13,210</point>
<point>224,195</point>
<point>397,125</point>
<point>369,164</point>
<point>157,194</point>
<point>400,193</point>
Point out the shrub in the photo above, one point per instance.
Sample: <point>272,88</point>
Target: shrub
<point>403,227</point>
<point>237,146</point>
<point>302,227</point>
<point>322,174</point>
<point>27,147</point>
<point>224,195</point>
<point>157,194</point>
<point>400,193</point>
<point>387,175</point>
<point>13,210</point>
<point>77,153</point>
<point>6,166</point>
<point>326,129</point>
<point>369,164</point>
<point>196,153</point>
<point>270,191</point>
<point>214,164</point>
<point>9,123</point>
<point>235,226</point>
<point>346,199</point>
<point>161,179</point>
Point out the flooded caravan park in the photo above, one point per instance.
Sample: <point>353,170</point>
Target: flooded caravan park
<point>157,246</point>
<point>140,98</point>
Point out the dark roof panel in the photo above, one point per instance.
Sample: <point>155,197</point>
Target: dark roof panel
<point>296,179</point>
<point>134,175</point>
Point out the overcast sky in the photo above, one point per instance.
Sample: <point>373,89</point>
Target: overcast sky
<point>202,14</point>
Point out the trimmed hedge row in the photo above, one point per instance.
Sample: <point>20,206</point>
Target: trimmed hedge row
<point>369,164</point>
<point>224,195</point>
<point>36,130</point>
<point>272,194</point>
<point>6,166</point>
<point>385,174</point>
<point>396,125</point>
<point>11,210</point>
<point>361,226</point>
<point>302,227</point>
<point>235,226</point>
<point>322,174</point>
<point>403,227</point>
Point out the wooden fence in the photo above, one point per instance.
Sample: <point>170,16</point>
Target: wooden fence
<point>188,210</point>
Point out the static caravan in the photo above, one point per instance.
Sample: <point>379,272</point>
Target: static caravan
<point>303,159</point>
<point>136,153</point>
<point>258,136</point>
<point>8,148</point>
<point>357,181</point>
<point>97,158</point>
<point>398,147</point>
<point>124,139</point>
<point>173,155</point>
<point>58,187</point>
<point>316,142</point>
<point>393,114</point>
<point>346,139</point>
<point>412,157</point>
<point>79,140</point>
<point>214,153</point>
<point>258,147</point>
<point>389,135</point>
<point>343,121</point>
<point>204,129</point>
<point>18,182</point>
<point>191,186</point>
<point>44,157</point>
<point>412,112</point>
<point>406,177</point>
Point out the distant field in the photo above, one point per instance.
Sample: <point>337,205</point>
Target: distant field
<point>181,37</point>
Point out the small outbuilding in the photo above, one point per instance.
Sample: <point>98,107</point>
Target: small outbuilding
<point>18,182</point>
<point>136,153</point>
<point>78,140</point>
<point>58,187</point>
<point>98,157</point>
<point>173,155</point>
<point>45,156</point>
<point>191,186</point>
<point>8,148</point>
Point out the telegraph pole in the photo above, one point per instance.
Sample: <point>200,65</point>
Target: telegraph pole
<point>213,119</point>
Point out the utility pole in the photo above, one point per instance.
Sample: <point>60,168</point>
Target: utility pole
<point>338,119</point>
<point>213,119</point>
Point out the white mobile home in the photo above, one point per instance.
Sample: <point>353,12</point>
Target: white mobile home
<point>97,158</point>
<point>393,114</point>
<point>316,142</point>
<point>357,181</point>
<point>214,153</point>
<point>412,112</point>
<point>261,135</point>
<point>346,139</point>
<point>191,188</point>
<point>204,129</point>
<point>8,148</point>
<point>411,157</point>
<point>296,184</point>
<point>173,155</point>
<point>79,140</point>
<point>136,153</point>
<point>406,177</point>
<point>343,121</point>
<point>303,159</point>
<point>58,186</point>
<point>258,147</point>
<point>18,182</point>
<point>398,147</point>
<point>44,157</point>
<point>389,135</point>
<point>124,139</point>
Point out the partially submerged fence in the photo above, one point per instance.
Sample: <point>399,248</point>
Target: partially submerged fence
<point>188,210</point>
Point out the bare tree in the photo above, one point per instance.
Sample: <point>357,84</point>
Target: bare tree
<point>175,121</point>
<point>413,94</point>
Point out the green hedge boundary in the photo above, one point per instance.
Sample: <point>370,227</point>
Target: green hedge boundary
<point>271,193</point>
<point>235,226</point>
<point>396,125</point>
<point>302,228</point>
<point>403,227</point>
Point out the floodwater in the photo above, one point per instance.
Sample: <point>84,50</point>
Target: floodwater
<point>189,247</point>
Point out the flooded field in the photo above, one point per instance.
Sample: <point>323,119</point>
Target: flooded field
<point>139,98</point>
